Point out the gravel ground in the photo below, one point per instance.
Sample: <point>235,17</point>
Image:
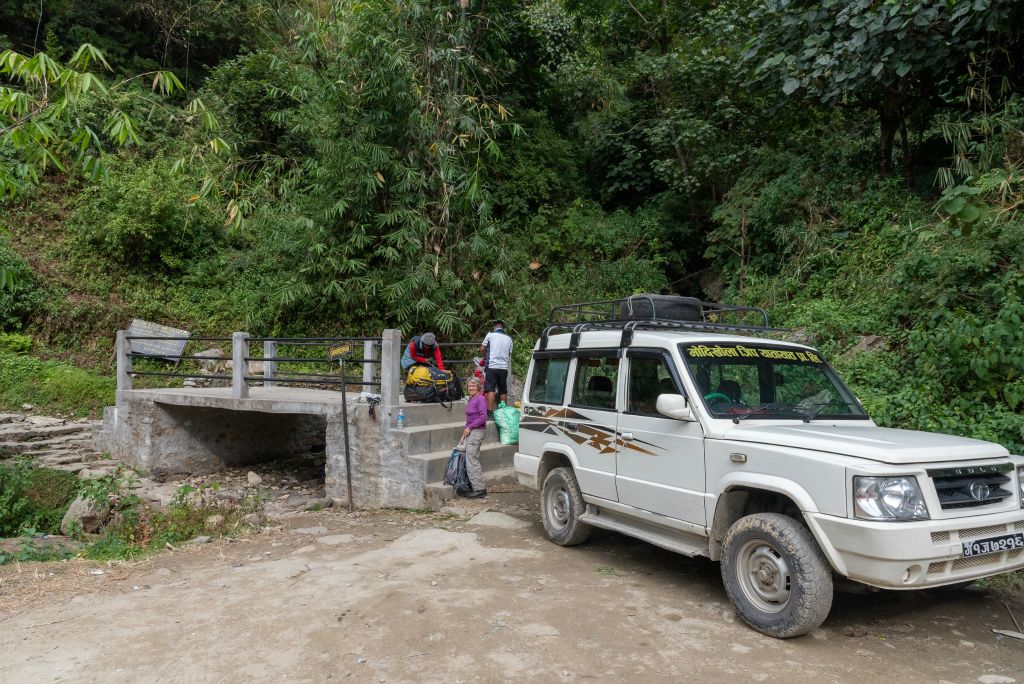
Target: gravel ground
<point>472,594</point>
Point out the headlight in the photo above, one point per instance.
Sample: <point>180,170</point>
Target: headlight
<point>888,498</point>
<point>1020,484</point>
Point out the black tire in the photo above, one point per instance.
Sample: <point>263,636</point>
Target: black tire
<point>776,575</point>
<point>561,505</point>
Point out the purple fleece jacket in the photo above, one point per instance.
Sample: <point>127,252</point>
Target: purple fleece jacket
<point>476,412</point>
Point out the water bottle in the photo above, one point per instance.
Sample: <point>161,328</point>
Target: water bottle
<point>400,420</point>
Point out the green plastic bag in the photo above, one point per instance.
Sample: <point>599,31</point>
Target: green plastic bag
<point>507,420</point>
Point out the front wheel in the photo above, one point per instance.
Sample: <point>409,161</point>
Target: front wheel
<point>561,504</point>
<point>776,575</point>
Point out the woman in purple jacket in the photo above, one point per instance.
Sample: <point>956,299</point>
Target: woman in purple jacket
<point>473,435</point>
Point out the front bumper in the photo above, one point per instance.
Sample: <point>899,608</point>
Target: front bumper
<point>526,469</point>
<point>916,555</point>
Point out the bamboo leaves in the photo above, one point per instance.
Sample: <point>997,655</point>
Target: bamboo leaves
<point>40,122</point>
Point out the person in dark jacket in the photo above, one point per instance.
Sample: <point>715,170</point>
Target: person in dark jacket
<point>423,349</point>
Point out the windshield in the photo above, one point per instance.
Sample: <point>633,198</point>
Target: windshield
<point>761,381</point>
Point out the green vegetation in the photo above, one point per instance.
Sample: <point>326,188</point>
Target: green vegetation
<point>138,530</point>
<point>338,167</point>
<point>53,387</point>
<point>34,500</point>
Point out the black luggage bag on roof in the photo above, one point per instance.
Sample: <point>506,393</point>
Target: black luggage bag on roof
<point>670,307</point>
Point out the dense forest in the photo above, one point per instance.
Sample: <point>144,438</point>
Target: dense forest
<point>308,166</point>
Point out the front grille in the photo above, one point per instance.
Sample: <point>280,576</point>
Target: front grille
<point>939,567</point>
<point>970,486</point>
<point>969,533</point>
<point>989,531</point>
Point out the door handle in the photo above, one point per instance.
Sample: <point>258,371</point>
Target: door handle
<point>626,435</point>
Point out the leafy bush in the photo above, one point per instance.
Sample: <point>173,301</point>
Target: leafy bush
<point>22,297</point>
<point>141,216</point>
<point>579,254</point>
<point>34,499</point>
<point>15,344</point>
<point>140,530</point>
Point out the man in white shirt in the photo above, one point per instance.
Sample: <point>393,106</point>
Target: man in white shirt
<point>497,352</point>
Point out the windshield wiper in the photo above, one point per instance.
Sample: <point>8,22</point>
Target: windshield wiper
<point>743,416</point>
<point>818,408</point>
<point>761,410</point>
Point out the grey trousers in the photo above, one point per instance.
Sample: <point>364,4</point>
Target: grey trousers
<point>473,468</point>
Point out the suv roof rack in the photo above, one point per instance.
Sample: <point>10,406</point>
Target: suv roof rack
<point>623,314</point>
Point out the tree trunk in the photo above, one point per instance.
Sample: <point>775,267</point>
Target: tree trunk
<point>888,125</point>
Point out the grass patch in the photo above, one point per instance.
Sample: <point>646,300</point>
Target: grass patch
<point>607,571</point>
<point>38,550</point>
<point>1009,583</point>
<point>140,530</point>
<point>52,387</point>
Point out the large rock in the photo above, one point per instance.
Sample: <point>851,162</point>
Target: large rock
<point>866,343</point>
<point>86,512</point>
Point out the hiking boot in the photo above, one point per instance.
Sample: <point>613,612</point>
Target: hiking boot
<point>477,494</point>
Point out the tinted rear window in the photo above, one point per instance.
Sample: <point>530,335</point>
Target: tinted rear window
<point>547,385</point>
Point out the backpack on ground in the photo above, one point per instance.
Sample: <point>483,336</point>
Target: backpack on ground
<point>455,474</point>
<point>507,420</point>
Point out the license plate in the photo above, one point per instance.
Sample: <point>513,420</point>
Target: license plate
<point>1006,542</point>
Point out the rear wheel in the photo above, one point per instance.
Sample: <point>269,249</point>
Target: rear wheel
<point>776,575</point>
<point>561,504</point>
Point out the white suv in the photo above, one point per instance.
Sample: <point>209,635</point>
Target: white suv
<point>753,452</point>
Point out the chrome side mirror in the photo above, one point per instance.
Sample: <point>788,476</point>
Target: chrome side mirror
<point>674,406</point>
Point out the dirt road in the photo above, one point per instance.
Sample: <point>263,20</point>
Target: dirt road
<point>405,597</point>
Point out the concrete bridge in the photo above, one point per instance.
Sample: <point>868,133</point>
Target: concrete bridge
<point>258,416</point>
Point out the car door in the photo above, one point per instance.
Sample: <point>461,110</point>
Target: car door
<point>660,462</point>
<point>591,418</point>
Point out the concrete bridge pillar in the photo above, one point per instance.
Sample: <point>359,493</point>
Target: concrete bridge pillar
<point>123,350</point>
<point>239,365</point>
<point>390,372</point>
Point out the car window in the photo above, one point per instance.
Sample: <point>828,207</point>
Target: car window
<point>547,385</point>
<point>764,381</point>
<point>648,377</point>
<point>597,378</point>
<point>807,389</point>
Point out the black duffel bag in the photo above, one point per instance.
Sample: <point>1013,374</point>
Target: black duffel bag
<point>666,307</point>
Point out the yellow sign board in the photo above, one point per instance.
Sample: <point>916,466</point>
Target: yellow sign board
<point>340,351</point>
<point>719,351</point>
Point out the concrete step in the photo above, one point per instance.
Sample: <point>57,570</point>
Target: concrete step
<point>437,494</point>
<point>493,456</point>
<point>22,432</point>
<point>424,439</point>
<point>60,457</point>
<point>77,443</point>
<point>421,414</point>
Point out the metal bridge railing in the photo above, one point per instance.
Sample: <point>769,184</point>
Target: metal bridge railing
<point>283,361</point>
